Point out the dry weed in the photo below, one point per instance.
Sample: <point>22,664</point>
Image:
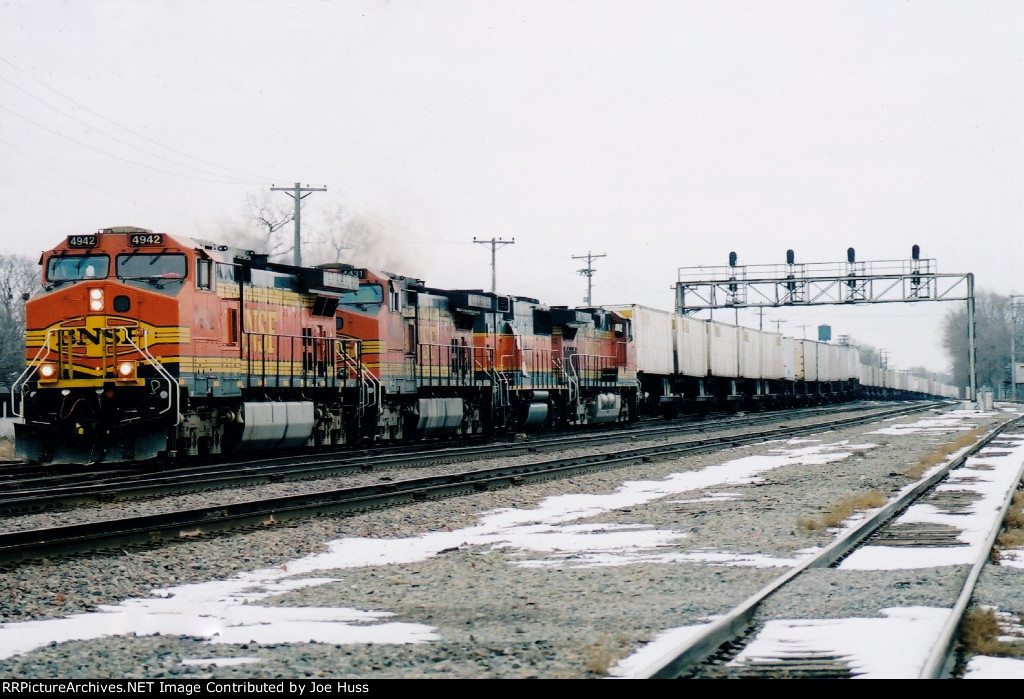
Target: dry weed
<point>942,453</point>
<point>600,656</point>
<point>840,512</point>
<point>1015,515</point>
<point>980,634</point>
<point>1012,535</point>
<point>6,448</point>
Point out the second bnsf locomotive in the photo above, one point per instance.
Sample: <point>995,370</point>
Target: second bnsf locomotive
<point>141,344</point>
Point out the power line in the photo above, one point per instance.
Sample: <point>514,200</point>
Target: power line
<point>116,157</point>
<point>86,183</point>
<point>261,178</point>
<point>121,141</point>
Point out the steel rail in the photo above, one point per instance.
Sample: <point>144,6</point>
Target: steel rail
<point>678,661</point>
<point>193,478</point>
<point>940,660</point>
<point>72,538</point>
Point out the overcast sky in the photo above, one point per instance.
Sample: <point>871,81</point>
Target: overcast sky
<point>661,134</point>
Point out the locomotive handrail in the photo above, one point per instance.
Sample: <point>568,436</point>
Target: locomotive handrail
<point>25,375</point>
<point>572,380</point>
<point>609,363</point>
<point>531,365</point>
<point>499,383</point>
<point>160,369</point>
<point>487,368</point>
<point>311,368</point>
<point>500,399</point>
<point>424,364</point>
<point>457,358</point>
<point>370,386</point>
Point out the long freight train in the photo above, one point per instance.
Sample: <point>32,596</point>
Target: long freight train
<point>142,344</point>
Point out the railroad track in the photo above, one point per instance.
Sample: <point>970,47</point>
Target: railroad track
<point>169,526</point>
<point>46,488</point>
<point>749,642</point>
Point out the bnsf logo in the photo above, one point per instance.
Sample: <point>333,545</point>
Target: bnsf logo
<point>97,336</point>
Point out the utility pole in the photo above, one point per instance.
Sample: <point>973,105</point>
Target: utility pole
<point>588,272</point>
<point>1015,302</point>
<point>494,243</point>
<point>972,340</point>
<point>296,193</point>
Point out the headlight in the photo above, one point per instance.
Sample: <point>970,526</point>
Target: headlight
<point>96,299</point>
<point>126,370</point>
<point>47,372</point>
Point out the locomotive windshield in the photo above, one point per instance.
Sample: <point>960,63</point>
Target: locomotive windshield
<point>77,267</point>
<point>161,266</point>
<point>366,299</point>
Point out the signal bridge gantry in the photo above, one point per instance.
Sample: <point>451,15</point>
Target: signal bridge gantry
<point>826,284</point>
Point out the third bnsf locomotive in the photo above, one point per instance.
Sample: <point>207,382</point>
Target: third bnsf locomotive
<point>142,344</point>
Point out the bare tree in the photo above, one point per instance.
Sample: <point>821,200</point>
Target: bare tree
<point>357,239</point>
<point>992,333</point>
<point>18,277</point>
<point>258,227</point>
<point>271,217</point>
<point>342,236</point>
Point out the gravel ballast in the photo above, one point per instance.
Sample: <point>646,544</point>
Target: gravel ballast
<point>560,593</point>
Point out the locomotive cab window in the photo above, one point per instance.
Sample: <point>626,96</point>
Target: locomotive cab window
<point>394,298</point>
<point>203,274</point>
<point>226,273</point>
<point>366,300</point>
<point>77,267</point>
<point>158,269</point>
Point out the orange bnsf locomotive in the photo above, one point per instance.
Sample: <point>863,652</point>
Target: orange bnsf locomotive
<point>141,344</point>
